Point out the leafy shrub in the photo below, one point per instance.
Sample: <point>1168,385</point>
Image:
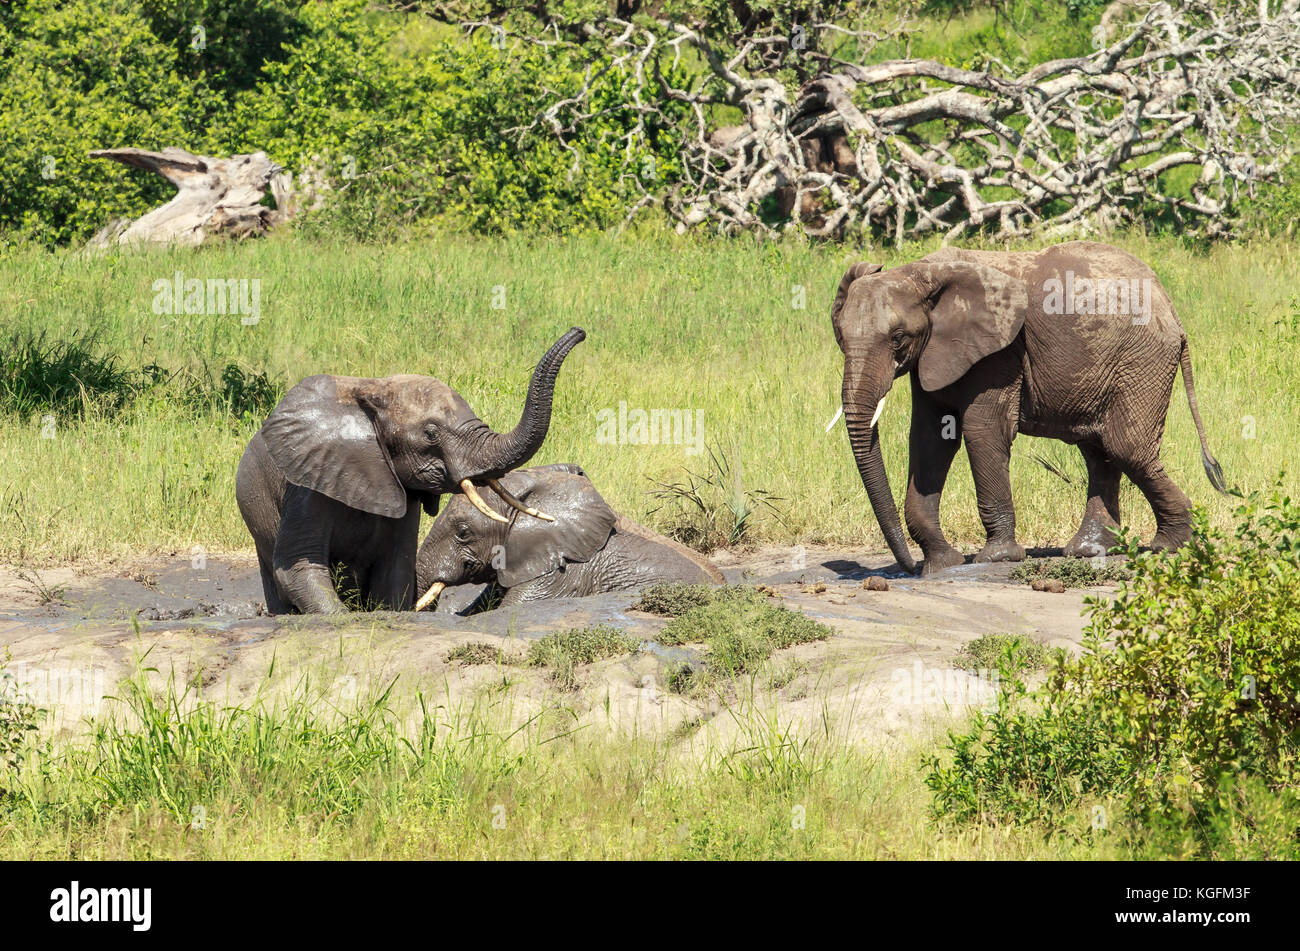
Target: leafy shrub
<point>1071,572</point>
<point>18,726</point>
<point>1274,207</point>
<point>1188,688</point>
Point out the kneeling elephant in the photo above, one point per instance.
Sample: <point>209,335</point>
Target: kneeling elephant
<point>579,545</point>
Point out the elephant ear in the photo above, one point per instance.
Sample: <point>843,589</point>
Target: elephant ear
<point>855,271</point>
<point>582,526</point>
<point>975,311</point>
<point>329,444</point>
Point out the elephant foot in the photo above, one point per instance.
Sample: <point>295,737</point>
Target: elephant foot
<point>1000,551</point>
<point>1090,541</point>
<point>940,559</point>
<point>1169,540</point>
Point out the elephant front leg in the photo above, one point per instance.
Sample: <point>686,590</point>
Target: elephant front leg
<point>932,444</point>
<point>1096,534</point>
<point>989,449</point>
<point>300,564</point>
<point>304,581</point>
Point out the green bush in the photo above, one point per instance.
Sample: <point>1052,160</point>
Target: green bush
<point>18,727</point>
<point>450,133</point>
<point>1188,689</point>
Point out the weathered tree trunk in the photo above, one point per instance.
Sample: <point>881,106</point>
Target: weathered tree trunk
<point>215,197</point>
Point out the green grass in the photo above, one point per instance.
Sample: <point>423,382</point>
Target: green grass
<point>168,773</point>
<point>561,653</point>
<point>564,651</point>
<point>673,599</point>
<point>692,324</point>
<point>992,651</point>
<point>738,626</point>
<point>478,652</point>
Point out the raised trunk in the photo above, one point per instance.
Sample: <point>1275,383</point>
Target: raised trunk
<point>863,392</point>
<point>504,452</point>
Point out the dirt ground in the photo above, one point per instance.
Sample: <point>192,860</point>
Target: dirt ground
<point>887,672</point>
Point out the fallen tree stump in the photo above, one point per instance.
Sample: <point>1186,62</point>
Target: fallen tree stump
<point>215,197</point>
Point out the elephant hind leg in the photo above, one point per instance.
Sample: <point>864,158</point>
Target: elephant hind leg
<point>1096,533</point>
<point>1171,506</point>
<point>990,463</point>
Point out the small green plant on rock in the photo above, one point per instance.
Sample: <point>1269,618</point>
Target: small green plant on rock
<point>1071,572</point>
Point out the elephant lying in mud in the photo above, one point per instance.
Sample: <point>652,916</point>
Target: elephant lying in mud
<point>579,547</point>
<point>333,482</point>
<point>1077,342</point>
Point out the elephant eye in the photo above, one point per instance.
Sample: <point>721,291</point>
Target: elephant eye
<point>900,338</point>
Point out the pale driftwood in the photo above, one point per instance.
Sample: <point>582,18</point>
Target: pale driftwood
<point>215,197</point>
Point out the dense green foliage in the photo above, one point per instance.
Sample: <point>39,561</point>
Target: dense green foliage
<point>404,134</point>
<point>1184,709</point>
<point>413,124</point>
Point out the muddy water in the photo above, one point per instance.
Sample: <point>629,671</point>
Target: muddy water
<point>887,669</point>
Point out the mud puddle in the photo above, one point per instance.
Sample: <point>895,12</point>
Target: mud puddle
<point>74,633</point>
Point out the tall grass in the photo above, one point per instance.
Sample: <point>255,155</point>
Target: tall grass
<point>59,375</point>
<point>672,323</point>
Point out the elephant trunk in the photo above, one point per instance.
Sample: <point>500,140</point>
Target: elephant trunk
<point>864,393</point>
<point>504,452</point>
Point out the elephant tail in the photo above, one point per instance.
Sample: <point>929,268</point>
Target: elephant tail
<point>1213,471</point>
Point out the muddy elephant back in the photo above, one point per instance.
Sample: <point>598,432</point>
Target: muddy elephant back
<point>628,527</point>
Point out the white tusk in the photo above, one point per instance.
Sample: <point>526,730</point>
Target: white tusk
<point>514,503</point>
<point>430,596</point>
<point>879,406</point>
<point>835,419</point>
<point>476,500</point>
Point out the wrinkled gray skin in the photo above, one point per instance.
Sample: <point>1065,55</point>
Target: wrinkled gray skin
<point>588,549</point>
<point>339,471</point>
<point>989,355</point>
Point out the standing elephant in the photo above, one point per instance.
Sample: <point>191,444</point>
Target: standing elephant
<point>1078,342</point>
<point>580,547</point>
<point>329,483</point>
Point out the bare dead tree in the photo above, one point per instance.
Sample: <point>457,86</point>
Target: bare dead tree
<point>831,143</point>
